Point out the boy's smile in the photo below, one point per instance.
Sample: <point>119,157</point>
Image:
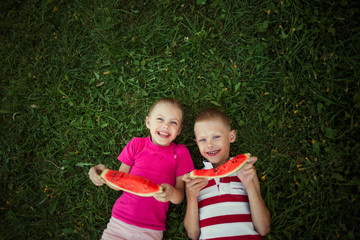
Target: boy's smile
<point>213,153</point>
<point>213,139</point>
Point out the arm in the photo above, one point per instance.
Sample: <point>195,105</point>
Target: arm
<point>192,220</point>
<point>259,213</point>
<point>124,168</point>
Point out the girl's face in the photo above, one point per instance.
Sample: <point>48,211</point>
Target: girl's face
<point>164,123</point>
<point>213,140</point>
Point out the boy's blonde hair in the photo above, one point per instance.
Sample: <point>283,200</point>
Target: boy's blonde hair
<point>213,114</point>
<point>172,101</point>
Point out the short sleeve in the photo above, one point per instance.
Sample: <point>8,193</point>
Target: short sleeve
<point>184,163</point>
<point>128,153</point>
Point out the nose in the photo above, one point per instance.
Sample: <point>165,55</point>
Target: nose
<point>210,143</point>
<point>166,126</point>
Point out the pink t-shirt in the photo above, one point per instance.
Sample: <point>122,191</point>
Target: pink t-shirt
<point>159,164</point>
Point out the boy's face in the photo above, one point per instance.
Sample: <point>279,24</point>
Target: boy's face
<point>213,139</point>
<point>164,124</point>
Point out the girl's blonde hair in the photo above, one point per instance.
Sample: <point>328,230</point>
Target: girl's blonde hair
<point>172,101</point>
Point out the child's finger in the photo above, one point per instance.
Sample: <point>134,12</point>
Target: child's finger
<point>102,181</point>
<point>160,197</point>
<point>248,166</point>
<point>186,177</point>
<point>203,183</point>
<point>196,181</point>
<point>165,195</point>
<point>95,177</point>
<point>252,160</point>
<point>197,184</point>
<point>250,170</point>
<point>98,181</point>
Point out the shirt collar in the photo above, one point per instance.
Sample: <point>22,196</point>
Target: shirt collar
<point>207,165</point>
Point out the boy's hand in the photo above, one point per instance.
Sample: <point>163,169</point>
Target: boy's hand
<point>247,173</point>
<point>193,186</point>
<point>94,174</point>
<point>167,193</point>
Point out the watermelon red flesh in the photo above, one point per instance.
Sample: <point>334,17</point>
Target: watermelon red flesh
<point>137,185</point>
<point>228,168</point>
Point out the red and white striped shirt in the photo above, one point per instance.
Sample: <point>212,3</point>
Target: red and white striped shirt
<point>224,210</point>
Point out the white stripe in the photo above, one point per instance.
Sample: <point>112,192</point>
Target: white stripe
<point>226,208</point>
<point>227,230</point>
<point>236,188</point>
<point>208,192</point>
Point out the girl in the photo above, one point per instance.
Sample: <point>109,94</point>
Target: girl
<point>159,159</point>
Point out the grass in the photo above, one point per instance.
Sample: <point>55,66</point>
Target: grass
<point>78,78</point>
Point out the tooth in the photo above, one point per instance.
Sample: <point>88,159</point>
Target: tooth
<point>213,152</point>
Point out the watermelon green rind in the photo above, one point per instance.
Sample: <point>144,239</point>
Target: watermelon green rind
<point>137,185</point>
<point>228,168</point>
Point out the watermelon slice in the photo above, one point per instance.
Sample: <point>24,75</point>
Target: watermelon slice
<point>228,168</point>
<point>137,185</point>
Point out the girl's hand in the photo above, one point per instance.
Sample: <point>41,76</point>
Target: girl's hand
<point>167,193</point>
<point>193,186</point>
<point>247,173</point>
<point>94,174</point>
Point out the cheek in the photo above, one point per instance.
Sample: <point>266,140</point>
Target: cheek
<point>176,129</point>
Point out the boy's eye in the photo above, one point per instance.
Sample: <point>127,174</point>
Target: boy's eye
<point>201,140</point>
<point>174,123</point>
<point>159,119</point>
<point>216,137</point>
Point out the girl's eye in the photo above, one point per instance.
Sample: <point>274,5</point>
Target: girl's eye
<point>159,119</point>
<point>201,140</point>
<point>216,137</point>
<point>174,123</point>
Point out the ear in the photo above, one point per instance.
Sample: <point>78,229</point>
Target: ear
<point>147,122</point>
<point>232,136</point>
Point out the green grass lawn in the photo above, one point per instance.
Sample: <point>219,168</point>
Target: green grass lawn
<point>78,77</point>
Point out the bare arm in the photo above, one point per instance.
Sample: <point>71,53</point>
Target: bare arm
<point>259,213</point>
<point>124,168</point>
<point>192,220</point>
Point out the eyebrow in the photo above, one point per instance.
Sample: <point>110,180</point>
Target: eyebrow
<point>172,119</point>
<point>200,136</point>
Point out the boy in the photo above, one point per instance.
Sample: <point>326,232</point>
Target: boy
<point>230,207</point>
